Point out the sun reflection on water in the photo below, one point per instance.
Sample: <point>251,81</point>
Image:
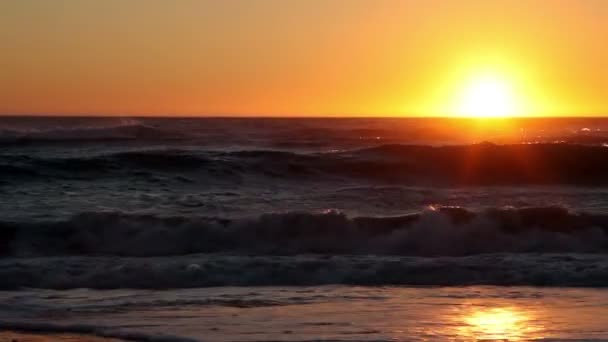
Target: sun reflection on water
<point>499,324</point>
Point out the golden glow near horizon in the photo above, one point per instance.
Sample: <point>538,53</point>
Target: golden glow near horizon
<point>304,57</point>
<point>492,87</point>
<point>487,96</point>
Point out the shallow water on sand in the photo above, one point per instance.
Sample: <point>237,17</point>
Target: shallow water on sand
<point>336,313</point>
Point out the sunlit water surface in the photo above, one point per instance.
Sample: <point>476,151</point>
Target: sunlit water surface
<point>336,313</point>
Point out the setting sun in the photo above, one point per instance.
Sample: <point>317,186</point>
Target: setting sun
<point>489,84</point>
<point>487,97</point>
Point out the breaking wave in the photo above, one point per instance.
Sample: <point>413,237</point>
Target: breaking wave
<point>548,246</point>
<point>435,232</point>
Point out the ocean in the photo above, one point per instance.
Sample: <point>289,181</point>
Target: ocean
<point>267,229</point>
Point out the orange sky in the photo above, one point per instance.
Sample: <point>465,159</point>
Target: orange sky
<point>298,57</point>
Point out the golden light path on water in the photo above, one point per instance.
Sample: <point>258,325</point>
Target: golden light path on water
<point>329,313</point>
<point>499,324</point>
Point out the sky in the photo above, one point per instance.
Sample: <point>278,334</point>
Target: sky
<point>304,57</point>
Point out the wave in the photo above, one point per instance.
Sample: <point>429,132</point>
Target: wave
<point>304,270</point>
<point>95,167</point>
<point>442,231</point>
<point>119,132</point>
<point>490,164</point>
<point>480,164</point>
<point>544,246</point>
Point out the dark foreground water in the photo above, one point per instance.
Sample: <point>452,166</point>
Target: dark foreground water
<point>321,206</point>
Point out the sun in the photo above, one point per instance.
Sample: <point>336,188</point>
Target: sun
<point>486,86</point>
<point>487,96</point>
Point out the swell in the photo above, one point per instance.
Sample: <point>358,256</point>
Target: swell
<point>490,164</point>
<point>129,131</point>
<point>309,270</point>
<point>435,232</point>
<point>480,164</point>
<point>111,165</point>
<point>142,163</point>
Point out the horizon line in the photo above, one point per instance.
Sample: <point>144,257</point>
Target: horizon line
<point>294,116</point>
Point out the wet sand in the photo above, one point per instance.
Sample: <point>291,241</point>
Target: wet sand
<point>15,336</point>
